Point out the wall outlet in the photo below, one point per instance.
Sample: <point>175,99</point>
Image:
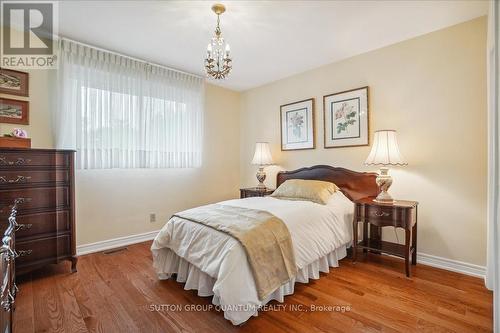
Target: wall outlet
<point>152,217</point>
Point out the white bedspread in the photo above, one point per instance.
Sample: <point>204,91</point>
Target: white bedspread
<point>316,230</point>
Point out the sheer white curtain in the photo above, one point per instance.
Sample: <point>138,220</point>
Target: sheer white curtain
<point>122,113</point>
<point>493,249</point>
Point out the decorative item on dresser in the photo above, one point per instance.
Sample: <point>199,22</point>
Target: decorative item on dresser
<point>13,142</point>
<point>255,192</point>
<point>397,214</point>
<point>44,180</point>
<point>18,138</point>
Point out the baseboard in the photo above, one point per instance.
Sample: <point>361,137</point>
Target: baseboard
<point>422,258</point>
<point>451,265</point>
<point>115,242</point>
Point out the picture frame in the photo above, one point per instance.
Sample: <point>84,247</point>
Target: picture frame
<point>14,82</point>
<point>297,125</point>
<point>13,111</point>
<point>346,118</point>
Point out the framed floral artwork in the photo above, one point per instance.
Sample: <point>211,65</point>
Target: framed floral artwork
<point>297,125</point>
<point>345,116</point>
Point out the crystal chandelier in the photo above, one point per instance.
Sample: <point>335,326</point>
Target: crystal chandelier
<point>218,63</point>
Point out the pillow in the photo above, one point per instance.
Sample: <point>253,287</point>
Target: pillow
<point>309,190</point>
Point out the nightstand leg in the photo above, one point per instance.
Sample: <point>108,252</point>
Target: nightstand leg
<point>375,234</point>
<point>365,234</point>
<point>355,239</point>
<point>414,244</point>
<point>414,238</point>
<point>407,251</point>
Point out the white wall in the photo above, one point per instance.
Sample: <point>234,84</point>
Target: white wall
<point>432,90</point>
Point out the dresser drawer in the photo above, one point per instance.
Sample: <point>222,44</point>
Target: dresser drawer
<point>38,197</point>
<point>31,225</point>
<point>42,249</point>
<point>32,177</point>
<point>35,159</point>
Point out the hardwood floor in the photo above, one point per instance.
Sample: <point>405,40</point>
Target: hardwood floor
<point>115,293</point>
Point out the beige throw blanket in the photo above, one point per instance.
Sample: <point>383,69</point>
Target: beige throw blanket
<point>264,237</point>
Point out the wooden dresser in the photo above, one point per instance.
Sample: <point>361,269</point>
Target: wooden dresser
<point>43,180</point>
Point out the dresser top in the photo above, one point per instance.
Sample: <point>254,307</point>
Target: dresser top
<point>35,150</point>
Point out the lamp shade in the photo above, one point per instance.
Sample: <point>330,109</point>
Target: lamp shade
<point>262,154</point>
<point>385,149</point>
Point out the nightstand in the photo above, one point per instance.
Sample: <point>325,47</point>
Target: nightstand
<point>400,214</point>
<point>255,192</point>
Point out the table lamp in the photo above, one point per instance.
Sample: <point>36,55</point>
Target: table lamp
<point>385,151</point>
<point>262,157</point>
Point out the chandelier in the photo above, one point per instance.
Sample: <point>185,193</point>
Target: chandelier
<point>218,63</point>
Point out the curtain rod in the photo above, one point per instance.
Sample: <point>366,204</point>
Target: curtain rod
<point>132,58</point>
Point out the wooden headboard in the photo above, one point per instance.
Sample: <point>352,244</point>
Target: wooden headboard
<point>355,185</point>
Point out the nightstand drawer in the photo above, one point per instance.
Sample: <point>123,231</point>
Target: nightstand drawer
<point>386,215</point>
<point>383,213</point>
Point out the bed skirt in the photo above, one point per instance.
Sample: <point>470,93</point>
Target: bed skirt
<point>169,263</point>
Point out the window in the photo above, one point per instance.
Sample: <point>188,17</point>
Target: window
<point>122,113</point>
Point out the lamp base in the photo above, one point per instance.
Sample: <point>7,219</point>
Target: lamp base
<point>384,181</point>
<point>261,176</point>
<point>384,197</point>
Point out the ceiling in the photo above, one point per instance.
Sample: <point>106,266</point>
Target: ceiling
<point>269,40</point>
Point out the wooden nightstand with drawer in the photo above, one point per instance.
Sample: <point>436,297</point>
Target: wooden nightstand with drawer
<point>255,192</point>
<point>399,214</point>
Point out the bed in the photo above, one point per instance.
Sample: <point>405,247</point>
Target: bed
<point>215,264</point>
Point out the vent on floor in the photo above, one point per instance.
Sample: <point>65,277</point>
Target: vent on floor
<point>118,249</point>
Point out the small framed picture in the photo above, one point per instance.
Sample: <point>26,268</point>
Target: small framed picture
<point>14,111</point>
<point>14,82</point>
<point>297,125</point>
<point>345,116</point>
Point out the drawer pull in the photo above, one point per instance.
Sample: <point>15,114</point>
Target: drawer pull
<point>381,214</point>
<point>22,200</point>
<point>18,161</point>
<point>19,179</point>
<point>24,226</point>
<point>24,253</point>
